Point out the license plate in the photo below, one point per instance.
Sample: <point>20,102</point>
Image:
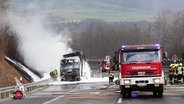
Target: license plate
<point>141,73</point>
<point>141,84</point>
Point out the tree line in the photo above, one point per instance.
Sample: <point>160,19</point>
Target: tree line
<point>9,40</point>
<point>97,38</point>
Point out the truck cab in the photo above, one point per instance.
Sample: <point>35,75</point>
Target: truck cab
<point>71,66</point>
<point>141,69</point>
<point>70,70</point>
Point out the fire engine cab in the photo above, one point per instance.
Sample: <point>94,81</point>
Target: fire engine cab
<point>105,64</point>
<point>141,69</point>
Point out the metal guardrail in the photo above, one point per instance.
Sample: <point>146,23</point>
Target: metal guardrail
<point>8,91</point>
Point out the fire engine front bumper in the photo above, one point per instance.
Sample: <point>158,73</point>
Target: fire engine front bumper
<point>143,87</point>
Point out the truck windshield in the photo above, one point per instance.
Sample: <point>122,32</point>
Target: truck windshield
<point>70,65</point>
<point>145,56</point>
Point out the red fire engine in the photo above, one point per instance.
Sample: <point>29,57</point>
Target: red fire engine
<point>105,64</point>
<point>141,69</point>
<point>109,63</point>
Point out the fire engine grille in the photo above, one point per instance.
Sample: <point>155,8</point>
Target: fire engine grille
<point>142,81</point>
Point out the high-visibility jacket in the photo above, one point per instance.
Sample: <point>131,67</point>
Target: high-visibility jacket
<point>111,75</point>
<point>175,65</point>
<point>179,70</point>
<point>55,72</point>
<point>171,65</point>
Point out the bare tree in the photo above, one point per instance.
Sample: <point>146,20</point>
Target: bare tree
<point>4,5</point>
<point>99,38</point>
<point>9,42</point>
<point>169,27</point>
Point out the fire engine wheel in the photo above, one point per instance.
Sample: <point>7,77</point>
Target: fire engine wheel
<point>126,94</point>
<point>157,93</point>
<point>154,93</point>
<point>160,94</point>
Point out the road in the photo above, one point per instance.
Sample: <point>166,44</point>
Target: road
<point>97,93</point>
<point>92,93</point>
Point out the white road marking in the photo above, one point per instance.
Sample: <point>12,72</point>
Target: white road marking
<point>53,100</point>
<point>119,100</point>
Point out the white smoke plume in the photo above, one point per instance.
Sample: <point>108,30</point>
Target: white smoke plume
<point>42,49</point>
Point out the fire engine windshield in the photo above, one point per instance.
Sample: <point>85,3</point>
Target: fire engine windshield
<point>145,56</point>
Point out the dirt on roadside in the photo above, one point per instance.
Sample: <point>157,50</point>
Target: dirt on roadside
<point>8,74</point>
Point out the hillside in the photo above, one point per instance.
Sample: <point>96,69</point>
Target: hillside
<point>8,47</point>
<point>8,74</point>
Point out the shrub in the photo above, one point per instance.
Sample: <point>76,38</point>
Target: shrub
<point>9,42</point>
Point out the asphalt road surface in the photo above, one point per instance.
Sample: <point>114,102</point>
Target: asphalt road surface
<point>92,93</point>
<point>97,93</point>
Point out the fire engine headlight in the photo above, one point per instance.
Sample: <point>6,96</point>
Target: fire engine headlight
<point>127,81</point>
<point>156,80</point>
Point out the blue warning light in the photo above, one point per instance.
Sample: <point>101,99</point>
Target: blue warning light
<point>133,95</point>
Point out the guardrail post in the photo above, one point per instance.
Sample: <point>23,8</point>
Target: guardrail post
<point>7,94</point>
<point>30,88</point>
<point>27,89</point>
<point>2,95</point>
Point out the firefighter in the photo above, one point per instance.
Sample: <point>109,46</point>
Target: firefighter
<point>175,73</point>
<point>117,82</point>
<point>19,89</point>
<point>179,69</point>
<point>171,73</point>
<point>111,77</point>
<point>54,74</point>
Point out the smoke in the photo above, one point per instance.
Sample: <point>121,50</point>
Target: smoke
<point>41,48</point>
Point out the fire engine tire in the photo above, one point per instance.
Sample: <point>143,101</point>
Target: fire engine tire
<point>126,94</point>
<point>158,94</point>
<point>129,94</point>
<point>154,93</point>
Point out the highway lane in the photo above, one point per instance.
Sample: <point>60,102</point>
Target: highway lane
<point>147,98</point>
<point>93,93</point>
<point>97,93</point>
